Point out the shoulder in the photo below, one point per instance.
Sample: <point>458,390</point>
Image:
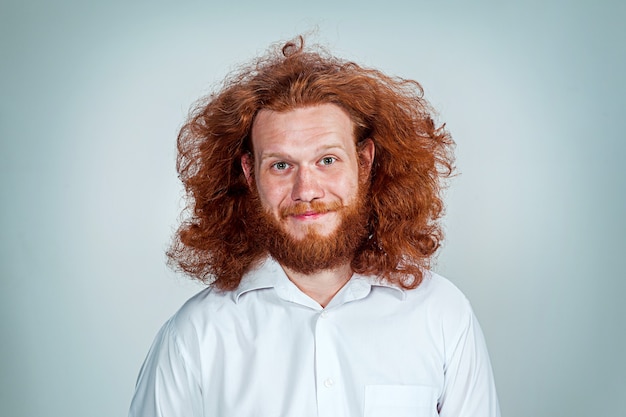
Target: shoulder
<point>201,308</point>
<point>187,331</point>
<point>212,308</point>
<point>438,290</point>
<point>441,300</point>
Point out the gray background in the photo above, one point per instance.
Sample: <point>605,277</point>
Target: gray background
<point>92,95</point>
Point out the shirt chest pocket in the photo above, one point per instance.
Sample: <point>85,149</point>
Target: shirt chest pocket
<point>400,401</point>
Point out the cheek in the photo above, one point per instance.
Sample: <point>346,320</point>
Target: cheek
<point>272,195</point>
<point>345,187</point>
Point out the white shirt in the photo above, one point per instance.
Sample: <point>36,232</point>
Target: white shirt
<point>268,350</point>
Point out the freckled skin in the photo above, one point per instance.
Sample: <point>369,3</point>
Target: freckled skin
<point>302,157</point>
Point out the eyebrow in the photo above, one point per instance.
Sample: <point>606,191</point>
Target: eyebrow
<point>321,149</point>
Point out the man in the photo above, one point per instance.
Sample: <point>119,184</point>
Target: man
<point>314,188</point>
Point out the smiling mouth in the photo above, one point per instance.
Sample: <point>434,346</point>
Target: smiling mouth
<point>309,215</point>
<point>310,211</point>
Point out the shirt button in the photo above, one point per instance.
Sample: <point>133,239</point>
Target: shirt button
<point>329,382</point>
<point>324,314</point>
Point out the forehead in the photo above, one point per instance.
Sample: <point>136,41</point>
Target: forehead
<point>302,126</point>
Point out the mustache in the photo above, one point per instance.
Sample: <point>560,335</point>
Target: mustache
<point>314,206</point>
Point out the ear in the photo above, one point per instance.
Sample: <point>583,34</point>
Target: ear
<point>247,165</point>
<point>366,150</point>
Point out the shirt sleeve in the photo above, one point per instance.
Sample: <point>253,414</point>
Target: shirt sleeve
<point>167,385</point>
<point>469,388</point>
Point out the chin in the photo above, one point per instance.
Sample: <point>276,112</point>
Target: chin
<point>319,231</point>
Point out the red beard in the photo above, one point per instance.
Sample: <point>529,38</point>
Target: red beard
<point>313,252</point>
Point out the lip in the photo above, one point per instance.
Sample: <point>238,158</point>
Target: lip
<point>309,215</point>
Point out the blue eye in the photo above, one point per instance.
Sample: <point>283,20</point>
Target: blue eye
<point>328,160</point>
<point>280,165</point>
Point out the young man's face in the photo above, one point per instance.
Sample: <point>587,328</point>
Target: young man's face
<point>306,167</point>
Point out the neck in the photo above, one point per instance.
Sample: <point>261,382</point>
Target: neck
<point>323,285</point>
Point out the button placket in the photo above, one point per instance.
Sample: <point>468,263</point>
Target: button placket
<point>329,398</point>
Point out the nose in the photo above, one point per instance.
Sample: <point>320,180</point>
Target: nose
<point>306,187</point>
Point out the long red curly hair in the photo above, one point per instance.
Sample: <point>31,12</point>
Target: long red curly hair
<point>412,158</point>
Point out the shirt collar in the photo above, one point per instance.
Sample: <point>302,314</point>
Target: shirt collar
<point>269,274</point>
